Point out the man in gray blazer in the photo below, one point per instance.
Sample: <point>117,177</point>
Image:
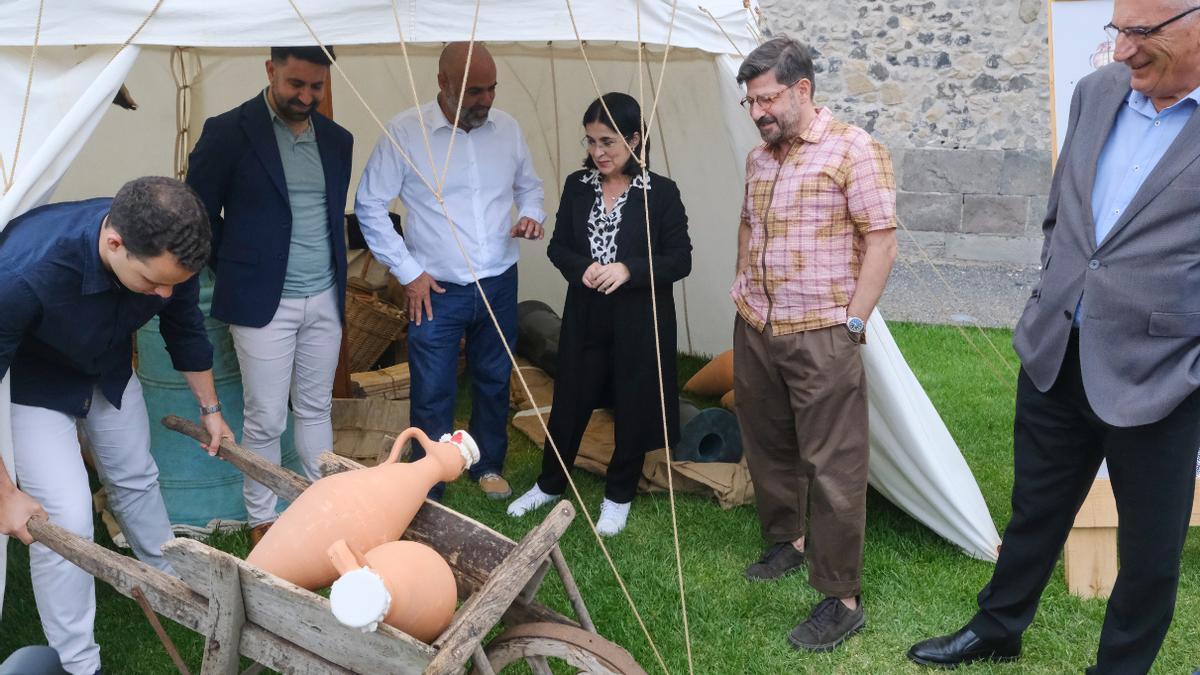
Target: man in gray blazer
<point>1110,347</point>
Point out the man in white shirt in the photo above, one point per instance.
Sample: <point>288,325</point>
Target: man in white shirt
<point>489,170</point>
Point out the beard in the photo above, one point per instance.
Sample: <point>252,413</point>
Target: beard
<point>293,109</point>
<point>775,131</point>
<point>471,118</point>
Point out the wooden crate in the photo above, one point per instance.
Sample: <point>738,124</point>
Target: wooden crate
<point>1090,556</point>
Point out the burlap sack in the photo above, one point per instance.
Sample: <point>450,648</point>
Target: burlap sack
<point>728,483</point>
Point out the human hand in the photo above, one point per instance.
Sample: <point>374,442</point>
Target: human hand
<point>217,429</point>
<point>419,301</point>
<point>527,228</point>
<point>610,277</point>
<point>16,508</point>
<point>589,275</point>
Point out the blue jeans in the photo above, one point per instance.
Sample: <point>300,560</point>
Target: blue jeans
<point>433,365</point>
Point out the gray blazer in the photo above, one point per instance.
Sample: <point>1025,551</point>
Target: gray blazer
<point>1139,344</point>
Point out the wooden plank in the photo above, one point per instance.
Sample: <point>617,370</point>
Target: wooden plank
<point>1090,554</point>
<point>1099,508</point>
<point>302,617</point>
<point>173,598</point>
<point>483,610</point>
<point>167,595</point>
<point>227,615</point>
<point>281,481</point>
<point>1090,561</point>
<point>282,656</point>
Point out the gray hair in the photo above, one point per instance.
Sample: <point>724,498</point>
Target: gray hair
<point>790,59</point>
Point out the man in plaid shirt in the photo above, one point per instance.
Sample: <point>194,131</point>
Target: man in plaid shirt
<point>815,247</point>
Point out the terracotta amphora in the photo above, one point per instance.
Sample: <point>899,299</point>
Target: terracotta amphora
<point>366,508</point>
<point>404,584</point>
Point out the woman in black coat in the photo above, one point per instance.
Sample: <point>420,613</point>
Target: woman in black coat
<point>606,349</point>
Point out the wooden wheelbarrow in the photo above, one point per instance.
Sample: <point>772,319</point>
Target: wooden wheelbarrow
<point>245,611</point>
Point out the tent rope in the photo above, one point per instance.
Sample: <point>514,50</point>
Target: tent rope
<point>662,394</point>
<point>412,82</point>
<point>722,29</point>
<point>495,322</point>
<point>1010,381</point>
<point>183,104</point>
<point>133,36</point>
<point>37,38</point>
<point>662,142</point>
<point>537,116</point>
<point>557,137</point>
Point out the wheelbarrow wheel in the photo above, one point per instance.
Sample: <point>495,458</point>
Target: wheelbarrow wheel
<point>540,643</point>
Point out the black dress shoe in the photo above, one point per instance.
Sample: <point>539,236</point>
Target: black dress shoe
<point>963,647</point>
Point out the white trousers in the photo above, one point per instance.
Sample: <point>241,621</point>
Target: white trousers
<point>295,355</point>
<point>49,469</point>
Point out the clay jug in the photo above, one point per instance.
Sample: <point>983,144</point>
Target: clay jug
<point>715,378</point>
<point>366,508</point>
<point>404,584</point>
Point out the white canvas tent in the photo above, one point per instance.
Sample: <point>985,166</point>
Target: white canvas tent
<point>76,145</point>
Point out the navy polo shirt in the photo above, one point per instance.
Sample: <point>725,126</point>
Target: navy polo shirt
<point>67,324</point>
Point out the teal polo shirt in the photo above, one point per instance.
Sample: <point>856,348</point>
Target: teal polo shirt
<point>310,255</point>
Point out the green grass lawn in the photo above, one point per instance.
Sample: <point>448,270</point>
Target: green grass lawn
<point>916,584</point>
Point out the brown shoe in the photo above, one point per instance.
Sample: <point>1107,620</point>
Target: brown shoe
<point>258,532</point>
<point>494,486</point>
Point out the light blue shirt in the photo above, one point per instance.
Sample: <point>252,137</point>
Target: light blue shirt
<point>490,172</point>
<point>1139,138</point>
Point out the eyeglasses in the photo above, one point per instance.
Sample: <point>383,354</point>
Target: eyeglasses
<point>604,143</point>
<point>1142,32</point>
<point>766,100</point>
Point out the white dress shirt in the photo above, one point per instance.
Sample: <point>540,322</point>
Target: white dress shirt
<point>490,169</point>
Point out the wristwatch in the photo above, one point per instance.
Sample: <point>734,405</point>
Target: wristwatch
<point>210,409</point>
<point>856,325</point>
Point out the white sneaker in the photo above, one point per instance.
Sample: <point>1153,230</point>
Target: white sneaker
<point>534,499</point>
<point>612,517</point>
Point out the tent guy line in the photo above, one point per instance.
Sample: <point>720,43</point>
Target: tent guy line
<point>488,305</point>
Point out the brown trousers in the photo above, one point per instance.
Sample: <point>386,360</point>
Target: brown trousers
<point>802,406</point>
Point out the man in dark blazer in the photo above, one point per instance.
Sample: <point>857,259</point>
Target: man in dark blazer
<point>1110,347</point>
<point>274,175</point>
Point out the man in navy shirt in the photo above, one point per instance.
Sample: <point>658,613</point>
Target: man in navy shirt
<point>76,280</point>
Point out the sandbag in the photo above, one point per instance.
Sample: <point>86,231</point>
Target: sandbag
<point>710,435</point>
<point>537,335</point>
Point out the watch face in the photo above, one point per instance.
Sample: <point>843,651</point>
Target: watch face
<point>855,324</point>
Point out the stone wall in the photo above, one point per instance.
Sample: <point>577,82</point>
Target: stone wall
<point>959,91</point>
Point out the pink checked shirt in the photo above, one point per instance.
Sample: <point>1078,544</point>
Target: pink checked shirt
<point>807,217</point>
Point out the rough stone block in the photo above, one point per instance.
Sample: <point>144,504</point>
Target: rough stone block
<point>993,248</point>
<point>930,211</point>
<point>995,214</point>
<point>963,171</point>
<point>1025,172</point>
<point>915,245</point>
<point>1037,213</point>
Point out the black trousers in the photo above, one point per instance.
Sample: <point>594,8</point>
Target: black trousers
<point>1058,443</point>
<point>585,382</point>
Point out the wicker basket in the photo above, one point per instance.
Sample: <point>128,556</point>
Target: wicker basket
<point>371,326</point>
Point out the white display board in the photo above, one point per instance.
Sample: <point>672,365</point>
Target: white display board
<point>1078,46</point>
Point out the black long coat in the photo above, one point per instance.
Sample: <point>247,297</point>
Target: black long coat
<point>635,367</point>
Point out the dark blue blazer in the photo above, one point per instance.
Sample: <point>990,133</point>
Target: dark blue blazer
<point>236,169</point>
<point>66,323</point>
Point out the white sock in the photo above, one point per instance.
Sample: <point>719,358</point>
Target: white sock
<point>529,501</point>
<point>612,517</point>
